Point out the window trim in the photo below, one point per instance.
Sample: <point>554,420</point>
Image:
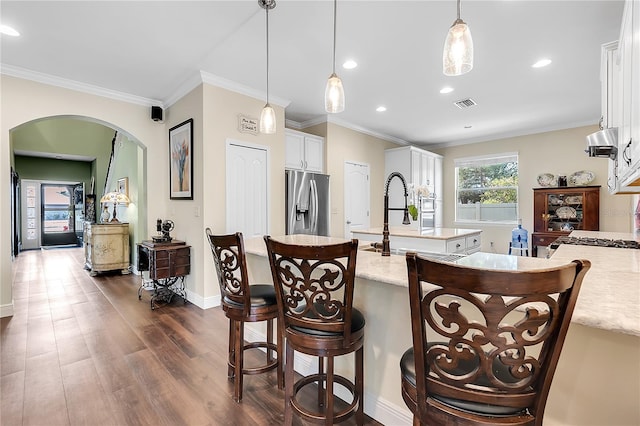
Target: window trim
<point>480,161</point>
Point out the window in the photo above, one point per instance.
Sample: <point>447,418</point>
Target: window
<point>487,188</point>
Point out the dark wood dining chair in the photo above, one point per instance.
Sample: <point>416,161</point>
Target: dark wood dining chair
<point>499,337</point>
<point>243,302</point>
<point>314,288</point>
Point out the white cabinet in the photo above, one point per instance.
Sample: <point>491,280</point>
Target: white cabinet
<point>621,100</point>
<point>420,168</point>
<point>304,151</point>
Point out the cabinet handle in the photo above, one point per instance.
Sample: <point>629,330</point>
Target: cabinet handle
<point>301,164</point>
<point>626,153</point>
<point>458,245</point>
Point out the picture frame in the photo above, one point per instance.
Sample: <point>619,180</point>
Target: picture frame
<point>181,161</point>
<point>123,186</point>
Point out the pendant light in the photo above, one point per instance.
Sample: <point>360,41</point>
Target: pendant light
<point>334,92</point>
<point>457,57</point>
<point>268,115</point>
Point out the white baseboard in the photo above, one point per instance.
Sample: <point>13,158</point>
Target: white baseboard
<point>203,302</point>
<point>375,407</point>
<point>6,310</point>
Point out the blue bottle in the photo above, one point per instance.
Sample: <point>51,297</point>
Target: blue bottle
<point>519,236</point>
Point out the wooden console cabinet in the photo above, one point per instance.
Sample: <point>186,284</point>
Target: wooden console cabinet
<point>106,247</point>
<point>558,211</point>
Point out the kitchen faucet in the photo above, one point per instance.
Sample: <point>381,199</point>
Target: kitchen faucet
<point>386,249</point>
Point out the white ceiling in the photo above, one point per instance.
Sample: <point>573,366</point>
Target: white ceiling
<point>151,49</point>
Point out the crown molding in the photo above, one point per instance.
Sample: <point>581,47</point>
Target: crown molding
<point>331,119</point>
<point>224,83</point>
<point>389,138</point>
<point>64,83</point>
<point>506,135</point>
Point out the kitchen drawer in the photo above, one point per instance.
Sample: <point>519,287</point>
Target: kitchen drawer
<point>456,246</point>
<point>472,243</point>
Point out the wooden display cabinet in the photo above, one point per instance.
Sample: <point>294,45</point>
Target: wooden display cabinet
<point>558,211</point>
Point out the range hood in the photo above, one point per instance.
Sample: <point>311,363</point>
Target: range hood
<point>603,143</point>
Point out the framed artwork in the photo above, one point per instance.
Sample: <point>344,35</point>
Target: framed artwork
<point>123,186</point>
<point>181,161</point>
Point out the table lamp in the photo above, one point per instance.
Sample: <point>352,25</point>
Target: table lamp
<point>115,198</point>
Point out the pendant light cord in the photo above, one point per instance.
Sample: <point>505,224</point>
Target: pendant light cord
<point>267,15</point>
<point>335,3</point>
<point>458,10</point>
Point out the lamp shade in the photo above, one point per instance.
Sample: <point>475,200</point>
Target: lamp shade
<point>268,120</point>
<point>115,197</point>
<point>334,95</point>
<point>457,56</point>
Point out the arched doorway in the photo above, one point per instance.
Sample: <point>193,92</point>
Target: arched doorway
<point>45,149</point>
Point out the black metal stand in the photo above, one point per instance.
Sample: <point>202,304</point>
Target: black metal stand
<point>164,290</point>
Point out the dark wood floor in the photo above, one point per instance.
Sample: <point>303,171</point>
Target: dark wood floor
<point>85,350</point>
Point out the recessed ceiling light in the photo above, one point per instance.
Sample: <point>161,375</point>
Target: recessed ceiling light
<point>446,90</point>
<point>381,108</point>
<point>7,30</point>
<point>350,64</point>
<point>541,63</point>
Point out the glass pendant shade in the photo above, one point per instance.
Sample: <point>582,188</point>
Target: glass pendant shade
<point>334,95</point>
<point>457,57</point>
<point>268,120</point>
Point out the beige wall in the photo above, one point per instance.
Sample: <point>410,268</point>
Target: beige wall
<point>220,122</point>
<point>559,152</point>
<point>342,144</point>
<point>24,100</point>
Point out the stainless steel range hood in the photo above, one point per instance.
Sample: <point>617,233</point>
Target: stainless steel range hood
<point>603,143</point>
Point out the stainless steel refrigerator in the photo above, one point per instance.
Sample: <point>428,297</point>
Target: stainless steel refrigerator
<point>307,203</point>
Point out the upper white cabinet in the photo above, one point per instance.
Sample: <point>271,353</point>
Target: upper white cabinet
<point>621,100</point>
<point>419,167</point>
<point>304,151</point>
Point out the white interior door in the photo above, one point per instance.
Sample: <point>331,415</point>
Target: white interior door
<point>247,189</point>
<point>356,197</point>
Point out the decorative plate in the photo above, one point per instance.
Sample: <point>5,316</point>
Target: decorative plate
<point>547,179</point>
<point>573,199</point>
<point>581,178</point>
<point>566,212</point>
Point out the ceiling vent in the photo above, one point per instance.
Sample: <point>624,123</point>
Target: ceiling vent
<point>465,103</point>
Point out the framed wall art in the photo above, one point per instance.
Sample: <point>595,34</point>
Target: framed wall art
<point>123,186</point>
<point>181,161</point>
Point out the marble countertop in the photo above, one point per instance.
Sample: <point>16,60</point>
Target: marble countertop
<point>609,298</point>
<point>610,295</point>
<point>435,233</point>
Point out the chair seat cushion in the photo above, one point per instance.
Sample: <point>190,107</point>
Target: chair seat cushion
<point>261,295</point>
<point>357,324</point>
<point>408,371</point>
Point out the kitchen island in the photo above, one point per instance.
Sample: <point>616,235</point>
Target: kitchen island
<point>596,382</point>
<point>436,240</point>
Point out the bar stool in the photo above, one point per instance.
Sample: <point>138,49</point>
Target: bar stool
<point>502,333</point>
<point>242,303</point>
<point>314,288</point>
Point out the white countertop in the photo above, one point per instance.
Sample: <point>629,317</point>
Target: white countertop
<point>434,233</point>
<point>609,298</point>
<point>610,295</point>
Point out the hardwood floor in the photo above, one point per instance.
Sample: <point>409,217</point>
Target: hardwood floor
<point>85,350</point>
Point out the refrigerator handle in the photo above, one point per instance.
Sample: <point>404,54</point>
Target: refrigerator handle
<point>313,207</point>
